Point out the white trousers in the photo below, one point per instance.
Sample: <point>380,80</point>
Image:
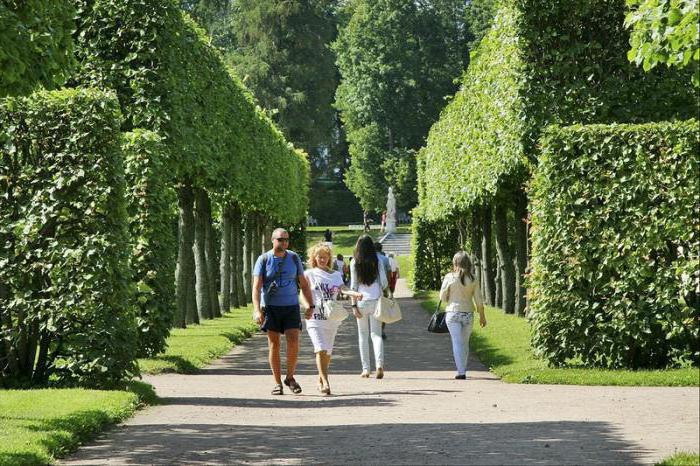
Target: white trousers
<point>460,326</point>
<point>369,326</point>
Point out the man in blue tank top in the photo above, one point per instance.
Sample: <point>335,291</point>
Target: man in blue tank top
<point>277,276</point>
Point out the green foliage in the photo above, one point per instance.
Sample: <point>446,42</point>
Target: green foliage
<point>333,204</point>
<point>281,52</point>
<point>432,246</point>
<point>680,459</point>
<point>542,62</point>
<point>504,347</point>
<point>397,61</point>
<point>64,279</point>
<point>665,31</point>
<point>170,81</point>
<point>616,243</point>
<point>37,49</point>
<point>151,200</point>
<point>478,17</point>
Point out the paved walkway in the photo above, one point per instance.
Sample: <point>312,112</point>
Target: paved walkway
<point>416,415</point>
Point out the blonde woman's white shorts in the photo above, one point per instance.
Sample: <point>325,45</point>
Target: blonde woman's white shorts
<point>322,334</point>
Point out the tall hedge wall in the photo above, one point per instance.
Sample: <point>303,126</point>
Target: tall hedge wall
<point>171,81</point>
<point>37,49</point>
<point>543,62</point>
<point>616,245</point>
<point>64,281</point>
<point>150,203</point>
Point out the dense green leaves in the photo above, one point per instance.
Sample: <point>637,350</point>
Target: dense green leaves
<point>665,31</point>
<point>397,62</point>
<point>170,81</point>
<point>36,49</point>
<point>542,62</point>
<point>152,230</point>
<point>65,312</point>
<point>616,242</point>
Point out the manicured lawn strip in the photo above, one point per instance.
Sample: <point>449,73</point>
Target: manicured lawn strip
<point>343,239</point>
<point>196,346</point>
<point>681,459</point>
<point>504,347</point>
<point>37,426</point>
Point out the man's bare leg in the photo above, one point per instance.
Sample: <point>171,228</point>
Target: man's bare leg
<point>273,344</point>
<point>292,336</point>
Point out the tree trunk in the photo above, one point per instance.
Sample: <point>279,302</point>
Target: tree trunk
<point>520,253</point>
<point>506,259</point>
<point>212,260</point>
<point>475,244</point>
<point>487,256</point>
<point>225,259</point>
<point>239,239</point>
<point>498,298</point>
<point>184,272</point>
<point>247,254</point>
<point>200,257</point>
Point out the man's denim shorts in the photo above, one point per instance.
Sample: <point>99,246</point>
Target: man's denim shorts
<point>281,318</point>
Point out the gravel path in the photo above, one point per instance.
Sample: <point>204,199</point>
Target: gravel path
<point>416,415</point>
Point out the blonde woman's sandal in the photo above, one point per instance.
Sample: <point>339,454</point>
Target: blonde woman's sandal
<point>293,385</point>
<point>278,390</point>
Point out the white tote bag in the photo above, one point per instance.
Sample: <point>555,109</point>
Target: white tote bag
<point>334,310</point>
<point>388,311</point>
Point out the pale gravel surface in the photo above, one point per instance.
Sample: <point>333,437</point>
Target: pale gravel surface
<point>416,415</point>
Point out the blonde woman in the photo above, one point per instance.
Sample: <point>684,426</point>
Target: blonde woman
<point>462,294</point>
<point>326,284</point>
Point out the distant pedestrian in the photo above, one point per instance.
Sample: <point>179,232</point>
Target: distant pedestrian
<point>343,268</point>
<point>328,235</point>
<point>462,294</point>
<point>384,261</point>
<point>276,305</point>
<point>367,276</point>
<point>394,276</point>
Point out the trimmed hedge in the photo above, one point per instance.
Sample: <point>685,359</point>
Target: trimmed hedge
<point>37,49</point>
<point>171,81</point>
<point>616,245</point>
<point>64,279</point>
<point>543,62</point>
<point>151,200</point>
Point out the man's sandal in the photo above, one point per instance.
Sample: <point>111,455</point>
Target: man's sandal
<point>293,385</point>
<point>278,390</point>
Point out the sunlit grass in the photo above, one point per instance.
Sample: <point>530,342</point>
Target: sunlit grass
<point>196,346</point>
<point>504,346</point>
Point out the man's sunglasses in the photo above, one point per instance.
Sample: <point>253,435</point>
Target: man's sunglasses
<point>282,239</point>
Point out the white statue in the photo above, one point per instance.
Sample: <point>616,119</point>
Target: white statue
<point>390,212</point>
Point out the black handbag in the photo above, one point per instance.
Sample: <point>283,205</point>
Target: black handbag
<point>437,322</point>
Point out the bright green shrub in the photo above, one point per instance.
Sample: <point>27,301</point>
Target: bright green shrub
<point>64,279</point>
<point>36,44</point>
<point>432,246</point>
<point>171,81</point>
<point>151,202</point>
<point>543,62</point>
<point>616,245</point>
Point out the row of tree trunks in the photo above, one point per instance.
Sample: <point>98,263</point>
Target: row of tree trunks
<point>501,273</point>
<point>225,260</point>
<point>185,270</point>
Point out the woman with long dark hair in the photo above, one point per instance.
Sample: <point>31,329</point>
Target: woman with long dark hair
<point>462,294</point>
<point>369,279</point>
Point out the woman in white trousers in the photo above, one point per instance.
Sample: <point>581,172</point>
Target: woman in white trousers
<point>369,279</point>
<point>462,294</point>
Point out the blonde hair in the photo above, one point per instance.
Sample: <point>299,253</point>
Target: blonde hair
<point>463,264</point>
<point>317,250</point>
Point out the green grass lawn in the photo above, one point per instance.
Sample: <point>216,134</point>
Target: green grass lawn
<point>343,239</point>
<point>37,426</point>
<point>196,346</point>
<point>504,346</point>
<point>681,459</point>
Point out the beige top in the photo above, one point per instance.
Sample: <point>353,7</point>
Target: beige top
<point>460,298</point>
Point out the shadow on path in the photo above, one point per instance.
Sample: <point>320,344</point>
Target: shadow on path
<point>541,443</point>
